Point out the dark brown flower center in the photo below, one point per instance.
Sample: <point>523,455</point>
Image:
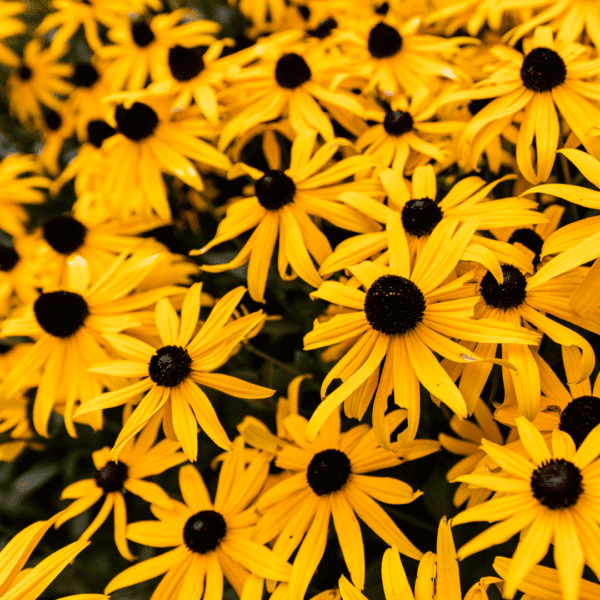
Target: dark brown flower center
<point>579,417</point>
<point>136,123</point>
<point>85,75</point>
<point>508,295</point>
<point>170,366</point>
<point>420,216</point>
<point>64,234</point>
<point>98,131</point>
<point>142,34</point>
<point>324,28</point>
<point>204,531</point>
<point>53,120</point>
<point>557,483</point>
<point>328,471</point>
<point>543,69</point>
<point>61,313</point>
<point>397,122</point>
<point>24,73</point>
<point>112,476</point>
<point>530,239</point>
<point>8,258</point>
<point>292,71</point>
<point>384,41</point>
<point>185,63</point>
<point>275,189</point>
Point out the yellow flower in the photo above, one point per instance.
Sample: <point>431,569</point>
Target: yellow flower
<point>173,373</point>
<point>10,26</point>
<point>139,458</point>
<point>550,498</point>
<point>212,539</point>
<point>56,128</point>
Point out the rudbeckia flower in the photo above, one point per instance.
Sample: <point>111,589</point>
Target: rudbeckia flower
<point>406,314</point>
<point>172,375</point>
<point>9,26</point>
<point>420,212</point>
<point>212,539</point>
<point>550,497</point>
<point>39,79</point>
<point>67,324</point>
<point>140,46</point>
<point>471,435</point>
<point>330,481</point>
<point>549,75</point>
<point>438,577</point>
<point>281,207</point>
<point>139,458</point>
<point>20,183</point>
<point>151,140</point>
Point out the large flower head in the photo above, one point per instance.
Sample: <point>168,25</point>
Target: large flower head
<point>404,315</point>
<point>172,374</point>
<point>212,539</point>
<point>68,323</point>
<point>551,497</point>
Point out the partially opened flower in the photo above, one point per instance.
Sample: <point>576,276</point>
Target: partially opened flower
<point>172,375</point>
<point>550,498</point>
<point>212,539</point>
<point>140,458</point>
<point>405,315</point>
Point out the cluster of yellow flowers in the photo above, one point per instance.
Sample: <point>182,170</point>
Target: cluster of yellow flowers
<point>420,168</point>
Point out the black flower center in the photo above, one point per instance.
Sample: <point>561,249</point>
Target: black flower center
<point>204,531</point>
<point>397,122</point>
<point>394,305</point>
<point>557,484</point>
<point>8,258</point>
<point>64,233</point>
<point>98,131</point>
<point>274,469</point>
<point>85,75</point>
<point>384,41</point>
<point>543,69</point>
<point>61,313</point>
<point>579,417</point>
<point>112,476</point>
<point>185,63</point>
<point>383,9</point>
<point>328,471</point>
<point>530,239</point>
<point>141,33</point>
<point>508,295</point>
<point>24,73</point>
<point>324,28</point>
<point>478,104</point>
<point>304,11</point>
<point>420,216</point>
<point>170,366</point>
<point>275,189</point>
<point>53,120</point>
<point>136,123</point>
<point>292,71</point>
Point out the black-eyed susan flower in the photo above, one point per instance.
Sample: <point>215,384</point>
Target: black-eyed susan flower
<point>212,539</point>
<point>420,212</point>
<point>20,183</point>
<point>330,480</point>
<point>67,324</point>
<point>152,140</point>
<point>406,313</point>
<point>140,46</point>
<point>283,206</point>
<point>471,435</point>
<point>551,497</point>
<point>550,74</point>
<point>173,374</point>
<point>9,26</point>
<point>39,79</point>
<point>438,577</point>
<point>138,459</point>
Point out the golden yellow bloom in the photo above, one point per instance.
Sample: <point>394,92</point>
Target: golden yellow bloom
<point>10,26</point>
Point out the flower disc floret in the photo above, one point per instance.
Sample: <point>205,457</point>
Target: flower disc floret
<point>384,41</point>
<point>509,294</point>
<point>85,75</point>
<point>579,417</point>
<point>557,483</point>
<point>397,122</point>
<point>530,239</point>
<point>136,123</point>
<point>275,189</point>
<point>420,216</point>
<point>185,63</point>
<point>324,28</point>
<point>61,313</point>
<point>394,305</point>
<point>112,476</point>
<point>292,71</point>
<point>328,471</point>
<point>8,258</point>
<point>24,73</point>
<point>98,131</point>
<point>204,531</point>
<point>142,34</point>
<point>170,366</point>
<point>64,233</point>
<point>543,69</point>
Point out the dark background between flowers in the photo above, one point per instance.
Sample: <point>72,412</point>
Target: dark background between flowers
<point>30,487</point>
